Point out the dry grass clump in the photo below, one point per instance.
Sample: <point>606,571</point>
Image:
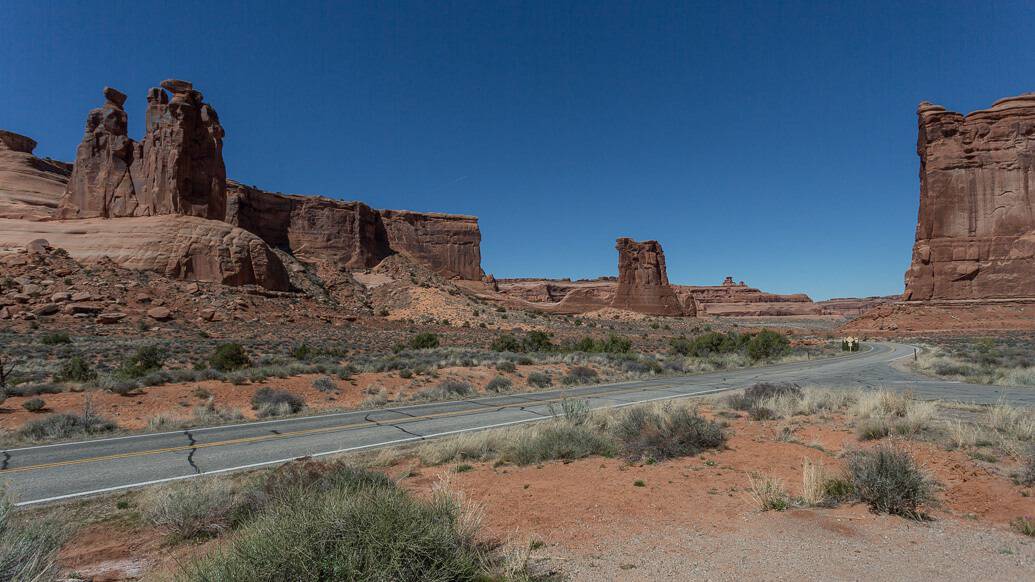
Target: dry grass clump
<point>821,487</point>
<point>880,413</point>
<point>28,548</point>
<point>768,400</point>
<point>198,508</point>
<point>768,493</point>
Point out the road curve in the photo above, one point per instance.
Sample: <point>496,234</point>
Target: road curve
<point>47,473</point>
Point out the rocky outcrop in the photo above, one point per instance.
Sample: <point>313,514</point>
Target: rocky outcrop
<point>448,244</point>
<point>738,300</point>
<point>30,187</point>
<point>176,169</point>
<point>182,247</point>
<point>354,236</point>
<point>643,280</point>
<point>975,234</point>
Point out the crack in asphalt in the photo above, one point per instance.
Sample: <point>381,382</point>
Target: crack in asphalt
<point>190,456</point>
<point>7,460</point>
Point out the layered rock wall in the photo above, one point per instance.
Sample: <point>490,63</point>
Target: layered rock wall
<point>975,234</point>
<point>30,187</point>
<point>353,235</point>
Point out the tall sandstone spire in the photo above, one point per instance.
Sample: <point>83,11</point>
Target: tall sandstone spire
<point>176,169</point>
<point>643,281</point>
<point>975,233</point>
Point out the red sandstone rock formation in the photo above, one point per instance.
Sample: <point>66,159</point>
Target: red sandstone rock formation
<point>30,187</point>
<point>352,235</point>
<point>975,235</point>
<point>177,168</point>
<point>643,281</point>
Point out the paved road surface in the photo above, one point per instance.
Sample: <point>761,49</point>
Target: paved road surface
<point>52,472</point>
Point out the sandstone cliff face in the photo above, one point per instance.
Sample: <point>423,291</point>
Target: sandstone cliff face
<point>176,169</point>
<point>975,235</point>
<point>643,280</point>
<point>182,247</point>
<point>30,187</point>
<point>352,235</point>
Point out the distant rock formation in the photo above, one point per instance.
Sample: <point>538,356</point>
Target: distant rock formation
<point>643,281</point>
<point>29,186</point>
<point>352,235</point>
<point>975,234</point>
<point>176,169</point>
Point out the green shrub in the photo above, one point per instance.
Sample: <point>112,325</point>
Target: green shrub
<point>616,344</point>
<point>229,357</point>
<point>714,342</point>
<point>498,384</point>
<point>406,373</point>
<point>34,405</point>
<point>680,346</point>
<point>506,343</point>
<point>1027,476</point>
<point>145,360</point>
<point>506,366</point>
<point>29,547</point>
<point>1024,525</point>
<point>270,402</point>
<point>766,345</point>
<point>538,341</point>
<point>56,338</point>
<point>33,389</point>
<point>424,341</point>
<point>302,352</point>
<point>75,369</point>
<point>355,530</point>
<point>539,380</point>
<point>889,481</point>
<point>658,433</point>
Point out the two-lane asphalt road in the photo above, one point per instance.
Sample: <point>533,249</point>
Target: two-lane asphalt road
<point>60,471</point>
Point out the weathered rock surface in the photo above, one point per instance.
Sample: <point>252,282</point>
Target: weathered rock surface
<point>738,300</point>
<point>975,234</point>
<point>183,247</point>
<point>30,187</point>
<point>352,235</point>
<point>643,281</point>
<point>176,169</point>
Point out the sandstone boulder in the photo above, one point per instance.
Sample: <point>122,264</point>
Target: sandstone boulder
<point>183,247</point>
<point>643,280</point>
<point>30,187</point>
<point>975,234</point>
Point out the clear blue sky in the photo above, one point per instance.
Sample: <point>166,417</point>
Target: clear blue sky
<point>771,141</point>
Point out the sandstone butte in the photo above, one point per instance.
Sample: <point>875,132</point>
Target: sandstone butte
<point>165,204</point>
<point>643,281</point>
<point>975,233</point>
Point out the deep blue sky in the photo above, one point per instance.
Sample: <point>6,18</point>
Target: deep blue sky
<point>770,141</point>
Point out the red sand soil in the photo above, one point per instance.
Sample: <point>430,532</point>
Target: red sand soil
<point>590,511</point>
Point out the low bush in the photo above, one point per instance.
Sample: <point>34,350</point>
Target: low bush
<point>63,426</point>
<point>539,380</point>
<point>557,440</point>
<point>424,341</point>
<point>145,360</point>
<point>1027,476</point>
<point>198,508</point>
<point>352,529</point>
<point>767,345</point>
<point>270,402</point>
<point>581,375</point>
<point>752,397</point>
<point>325,384</point>
<point>55,338</point>
<point>229,357</point>
<point>34,405</point>
<point>1024,525</point>
<point>889,481</point>
<point>33,389</point>
<point>75,369</point>
<point>506,366</point>
<point>498,384</point>
<point>664,432</point>
<point>447,390</point>
<point>506,343</point>
<point>28,547</point>
<point>302,352</point>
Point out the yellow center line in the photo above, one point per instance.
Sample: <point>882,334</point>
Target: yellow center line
<point>312,431</point>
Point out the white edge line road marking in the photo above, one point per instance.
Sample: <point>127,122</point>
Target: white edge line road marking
<point>346,412</point>
<point>345,450</point>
